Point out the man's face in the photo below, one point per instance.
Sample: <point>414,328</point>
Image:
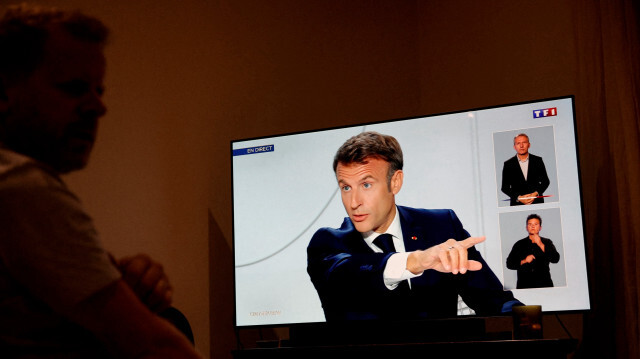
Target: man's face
<point>521,145</point>
<point>52,115</point>
<point>366,196</point>
<point>533,226</point>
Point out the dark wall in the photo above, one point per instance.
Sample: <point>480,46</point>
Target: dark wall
<point>186,77</point>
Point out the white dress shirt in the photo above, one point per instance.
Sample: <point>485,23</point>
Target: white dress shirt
<point>524,166</point>
<point>396,269</point>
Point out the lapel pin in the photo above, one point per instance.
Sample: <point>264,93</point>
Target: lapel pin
<point>414,238</point>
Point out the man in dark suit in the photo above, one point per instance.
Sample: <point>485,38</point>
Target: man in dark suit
<point>524,176</point>
<point>392,262</point>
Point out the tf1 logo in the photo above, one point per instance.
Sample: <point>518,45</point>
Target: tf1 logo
<point>546,112</point>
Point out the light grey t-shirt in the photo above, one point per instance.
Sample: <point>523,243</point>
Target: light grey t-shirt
<point>50,260</point>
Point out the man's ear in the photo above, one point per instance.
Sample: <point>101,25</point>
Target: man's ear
<point>396,181</point>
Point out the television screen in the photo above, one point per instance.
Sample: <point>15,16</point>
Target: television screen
<point>285,189</point>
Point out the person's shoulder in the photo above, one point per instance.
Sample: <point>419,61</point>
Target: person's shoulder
<point>425,211</point>
<point>344,230</point>
<point>19,172</point>
<point>334,237</point>
<point>511,160</point>
<point>21,176</point>
<point>420,214</point>
<point>534,157</point>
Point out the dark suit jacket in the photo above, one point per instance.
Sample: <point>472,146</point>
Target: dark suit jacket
<point>514,184</point>
<point>348,274</point>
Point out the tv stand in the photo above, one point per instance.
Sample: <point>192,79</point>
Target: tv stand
<point>386,332</point>
<point>498,349</point>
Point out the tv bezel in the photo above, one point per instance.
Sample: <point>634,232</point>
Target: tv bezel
<point>323,326</point>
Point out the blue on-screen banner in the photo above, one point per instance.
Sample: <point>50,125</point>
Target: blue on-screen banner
<point>253,150</point>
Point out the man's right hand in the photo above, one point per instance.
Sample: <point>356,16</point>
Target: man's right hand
<point>529,259</point>
<point>447,257</point>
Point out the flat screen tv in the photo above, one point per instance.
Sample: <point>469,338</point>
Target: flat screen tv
<point>284,189</point>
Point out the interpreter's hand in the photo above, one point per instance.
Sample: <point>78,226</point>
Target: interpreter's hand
<point>448,257</point>
<point>529,259</point>
<point>527,198</point>
<point>536,239</point>
<point>148,280</point>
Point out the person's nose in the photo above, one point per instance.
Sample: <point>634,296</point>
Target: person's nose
<point>94,105</point>
<point>98,106</point>
<point>355,199</point>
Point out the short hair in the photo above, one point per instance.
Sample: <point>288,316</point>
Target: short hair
<point>367,145</point>
<point>534,216</point>
<point>24,30</point>
<point>521,134</point>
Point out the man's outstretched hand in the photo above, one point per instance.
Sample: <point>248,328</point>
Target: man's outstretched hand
<point>447,257</point>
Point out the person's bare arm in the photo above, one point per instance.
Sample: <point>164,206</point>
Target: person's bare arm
<point>147,279</point>
<point>128,328</point>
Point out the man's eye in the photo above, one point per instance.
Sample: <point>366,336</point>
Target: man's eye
<point>366,185</point>
<point>346,188</point>
<point>74,87</point>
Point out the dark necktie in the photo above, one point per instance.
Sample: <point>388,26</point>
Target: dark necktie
<point>385,242</point>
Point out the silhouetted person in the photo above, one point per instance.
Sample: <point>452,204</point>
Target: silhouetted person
<point>61,294</point>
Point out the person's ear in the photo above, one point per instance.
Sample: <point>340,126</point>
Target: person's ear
<point>396,181</point>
